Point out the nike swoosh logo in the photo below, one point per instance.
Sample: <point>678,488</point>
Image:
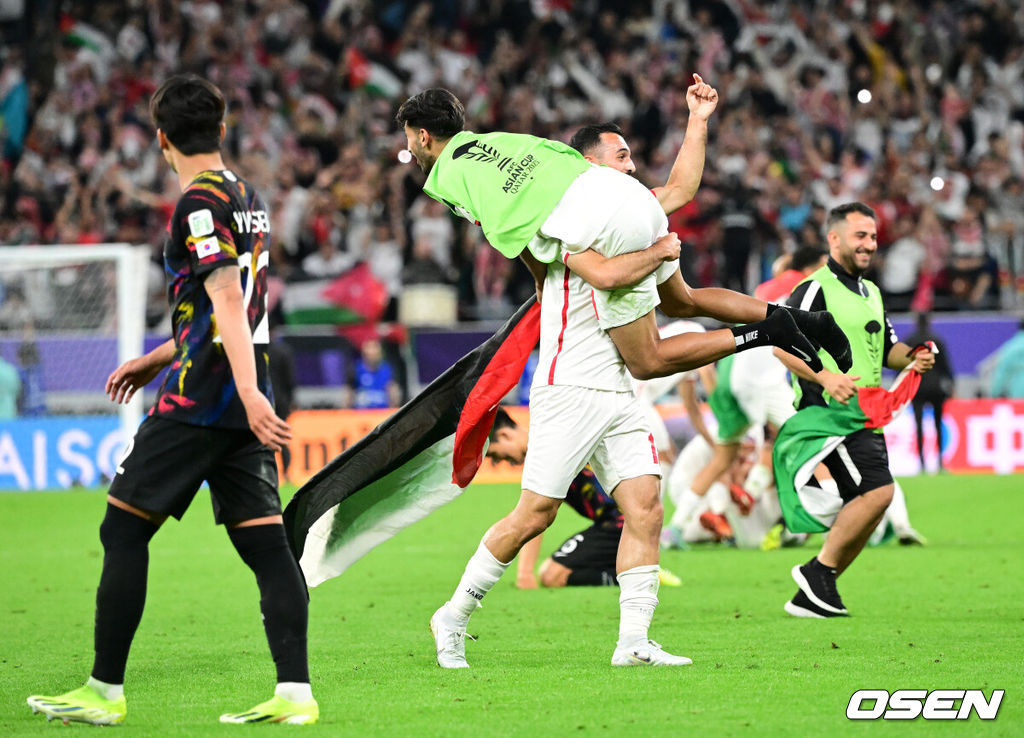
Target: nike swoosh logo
<point>802,355</point>
<point>641,659</point>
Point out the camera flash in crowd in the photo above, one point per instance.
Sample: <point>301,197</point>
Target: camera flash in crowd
<point>405,156</point>
<point>937,183</point>
<point>864,97</point>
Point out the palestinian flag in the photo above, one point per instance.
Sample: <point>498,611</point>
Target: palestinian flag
<point>815,432</point>
<point>414,462</point>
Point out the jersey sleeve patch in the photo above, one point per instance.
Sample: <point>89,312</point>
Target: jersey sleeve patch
<point>207,247</point>
<point>200,223</point>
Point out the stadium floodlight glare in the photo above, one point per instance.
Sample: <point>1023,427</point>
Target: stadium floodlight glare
<point>89,301</point>
<point>864,96</point>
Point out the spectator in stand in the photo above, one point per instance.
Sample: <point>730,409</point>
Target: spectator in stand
<point>30,372</point>
<point>373,381</point>
<point>901,266</point>
<point>936,387</point>
<point>1008,379</point>
<point>10,390</point>
<point>969,261</point>
<point>312,88</point>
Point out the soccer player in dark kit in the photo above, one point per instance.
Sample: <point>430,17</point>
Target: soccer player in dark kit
<point>213,421</point>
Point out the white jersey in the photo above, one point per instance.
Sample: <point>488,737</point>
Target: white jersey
<point>757,368</point>
<point>574,350</point>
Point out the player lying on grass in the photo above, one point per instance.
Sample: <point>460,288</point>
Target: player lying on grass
<point>586,558</point>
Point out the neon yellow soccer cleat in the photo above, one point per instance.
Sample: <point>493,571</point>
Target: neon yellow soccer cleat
<point>277,710</point>
<point>82,705</point>
<point>668,579</point>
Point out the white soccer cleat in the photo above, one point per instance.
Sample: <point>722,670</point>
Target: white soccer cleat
<point>451,643</point>
<point>647,654</point>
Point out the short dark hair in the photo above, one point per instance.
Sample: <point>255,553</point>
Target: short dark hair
<point>839,213</point>
<point>805,256</point>
<point>501,420</point>
<point>586,138</point>
<point>189,110</point>
<point>436,110</point>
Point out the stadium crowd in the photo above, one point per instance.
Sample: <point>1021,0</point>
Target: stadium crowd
<point>916,108</point>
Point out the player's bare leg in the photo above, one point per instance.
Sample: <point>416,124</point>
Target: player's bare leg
<point>853,527</point>
<point>639,499</point>
<point>647,355</point>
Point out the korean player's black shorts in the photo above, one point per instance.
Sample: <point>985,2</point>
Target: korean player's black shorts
<point>860,464</point>
<point>168,461</point>
<point>593,548</point>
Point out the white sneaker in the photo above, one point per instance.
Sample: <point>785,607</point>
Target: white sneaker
<point>647,654</point>
<point>451,643</point>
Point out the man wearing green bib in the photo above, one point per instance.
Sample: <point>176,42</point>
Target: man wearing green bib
<point>860,464</point>
<point>540,197</point>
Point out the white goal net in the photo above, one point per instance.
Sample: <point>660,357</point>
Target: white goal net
<point>69,315</point>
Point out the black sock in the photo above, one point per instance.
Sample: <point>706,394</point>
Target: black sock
<point>592,578</point>
<point>121,596</point>
<point>814,563</point>
<point>283,598</point>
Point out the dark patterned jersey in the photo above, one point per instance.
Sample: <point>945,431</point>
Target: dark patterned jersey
<point>588,498</point>
<point>220,221</point>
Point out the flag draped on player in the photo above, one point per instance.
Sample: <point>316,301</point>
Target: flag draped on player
<point>414,462</point>
<point>815,432</point>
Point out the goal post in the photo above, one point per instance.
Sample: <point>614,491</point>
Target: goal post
<point>84,309</point>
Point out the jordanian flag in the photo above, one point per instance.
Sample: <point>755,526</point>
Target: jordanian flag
<point>417,460</point>
<point>813,433</point>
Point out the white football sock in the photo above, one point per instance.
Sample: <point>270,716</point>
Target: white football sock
<point>638,596</point>
<point>897,512</point>
<point>294,691</point>
<point>482,572</point>
<point>758,480</point>
<point>104,690</point>
<point>687,504</point>
<point>718,498</point>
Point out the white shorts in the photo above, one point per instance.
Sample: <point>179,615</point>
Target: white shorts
<point>772,404</point>
<point>612,213</point>
<point>571,426</point>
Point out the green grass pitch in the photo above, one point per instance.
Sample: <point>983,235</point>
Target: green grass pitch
<point>948,616</point>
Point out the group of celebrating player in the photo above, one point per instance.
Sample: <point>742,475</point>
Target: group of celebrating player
<point>597,243</point>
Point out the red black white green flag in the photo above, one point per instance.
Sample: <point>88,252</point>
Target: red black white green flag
<point>414,462</point>
<point>815,432</point>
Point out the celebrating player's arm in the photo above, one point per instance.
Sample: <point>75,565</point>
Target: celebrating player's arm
<point>688,395</point>
<point>224,286</point>
<point>526,568</point>
<point>127,379</point>
<point>624,270</point>
<point>684,177</point>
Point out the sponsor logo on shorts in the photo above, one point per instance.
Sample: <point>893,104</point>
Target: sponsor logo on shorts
<point>909,704</point>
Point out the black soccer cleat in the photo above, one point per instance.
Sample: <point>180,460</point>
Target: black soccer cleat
<point>821,328</point>
<point>818,582</point>
<point>802,607</point>
<point>782,331</point>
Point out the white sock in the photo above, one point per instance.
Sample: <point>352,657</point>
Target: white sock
<point>104,690</point>
<point>688,502</point>
<point>897,512</point>
<point>718,498</point>
<point>294,691</point>
<point>758,480</point>
<point>638,596</point>
<point>482,572</point>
